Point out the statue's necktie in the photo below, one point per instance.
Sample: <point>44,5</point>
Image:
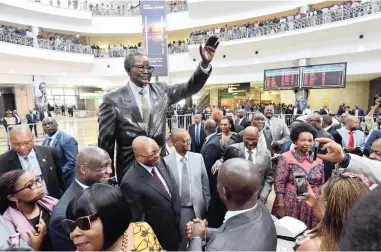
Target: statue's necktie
<point>145,106</point>
<point>185,184</point>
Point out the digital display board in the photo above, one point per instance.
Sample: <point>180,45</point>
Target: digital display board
<point>324,76</point>
<point>239,87</point>
<point>283,78</point>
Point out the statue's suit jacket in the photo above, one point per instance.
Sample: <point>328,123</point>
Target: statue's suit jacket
<point>120,120</point>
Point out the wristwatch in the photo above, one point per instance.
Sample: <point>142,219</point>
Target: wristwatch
<point>346,161</point>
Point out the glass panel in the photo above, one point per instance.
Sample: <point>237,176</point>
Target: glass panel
<point>57,91</point>
<point>69,91</point>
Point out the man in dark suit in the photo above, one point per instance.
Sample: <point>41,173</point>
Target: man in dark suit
<point>325,111</point>
<point>42,160</point>
<point>238,128</point>
<point>140,107</point>
<point>197,133</point>
<point>357,111</point>
<point>32,120</point>
<point>65,145</point>
<point>93,165</point>
<point>242,119</point>
<point>247,220</point>
<point>152,193</point>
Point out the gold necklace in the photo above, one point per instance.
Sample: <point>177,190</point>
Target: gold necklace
<point>125,241</point>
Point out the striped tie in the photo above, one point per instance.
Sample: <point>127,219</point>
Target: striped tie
<point>30,167</point>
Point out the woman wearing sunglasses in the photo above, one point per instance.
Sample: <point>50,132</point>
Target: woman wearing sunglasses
<point>25,207</point>
<point>339,195</point>
<point>99,218</point>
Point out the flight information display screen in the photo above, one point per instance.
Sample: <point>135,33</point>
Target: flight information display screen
<point>283,78</point>
<point>324,76</point>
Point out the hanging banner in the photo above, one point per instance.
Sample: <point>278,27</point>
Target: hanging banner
<point>40,99</point>
<point>155,34</point>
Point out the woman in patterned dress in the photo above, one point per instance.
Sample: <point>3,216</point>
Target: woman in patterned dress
<point>298,160</point>
<point>99,219</point>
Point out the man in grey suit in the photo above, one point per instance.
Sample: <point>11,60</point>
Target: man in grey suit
<point>139,108</point>
<point>191,178</point>
<point>248,225</point>
<point>278,128</point>
<point>260,156</point>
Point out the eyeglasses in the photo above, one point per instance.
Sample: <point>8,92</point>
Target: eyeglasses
<point>141,68</point>
<point>153,154</point>
<point>83,223</point>
<point>32,184</point>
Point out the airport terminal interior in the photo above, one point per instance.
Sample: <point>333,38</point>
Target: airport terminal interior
<point>268,77</point>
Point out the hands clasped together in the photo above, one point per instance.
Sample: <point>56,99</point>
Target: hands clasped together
<point>196,228</point>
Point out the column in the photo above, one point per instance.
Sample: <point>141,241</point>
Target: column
<point>301,95</point>
<point>35,32</point>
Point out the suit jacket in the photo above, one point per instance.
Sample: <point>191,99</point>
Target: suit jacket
<point>279,130</point>
<point>192,133</point>
<point>67,150</point>
<point>265,169</point>
<point>120,119</point>
<point>150,203</point>
<point>243,232</point>
<point>324,112</point>
<point>359,138</point>
<point>199,180</point>
<point>49,163</point>
<point>268,137</point>
<point>336,136</point>
<point>18,119</point>
<point>360,112</point>
<point>59,238</point>
<point>245,123</point>
<point>31,118</point>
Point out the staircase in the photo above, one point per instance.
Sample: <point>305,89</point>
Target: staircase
<point>204,101</point>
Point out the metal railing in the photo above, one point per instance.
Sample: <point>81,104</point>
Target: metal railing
<point>342,13</point>
<point>110,8</point>
<point>14,38</point>
<point>172,49</point>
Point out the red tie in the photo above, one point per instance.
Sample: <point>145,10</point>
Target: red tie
<point>351,142</point>
<point>157,178</point>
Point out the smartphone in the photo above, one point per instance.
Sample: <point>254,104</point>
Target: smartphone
<point>316,149</point>
<point>300,184</point>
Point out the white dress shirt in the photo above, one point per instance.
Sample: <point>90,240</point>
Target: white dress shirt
<point>149,169</point>
<point>180,171</point>
<point>231,214</point>
<point>82,185</point>
<point>253,154</point>
<point>53,138</point>
<point>240,120</point>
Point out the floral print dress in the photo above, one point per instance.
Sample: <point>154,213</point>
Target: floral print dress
<point>290,163</point>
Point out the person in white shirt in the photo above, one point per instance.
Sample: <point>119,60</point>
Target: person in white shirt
<point>307,110</point>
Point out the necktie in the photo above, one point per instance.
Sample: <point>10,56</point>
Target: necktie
<point>158,179</point>
<point>185,184</point>
<point>250,156</point>
<point>268,122</point>
<point>260,140</point>
<point>30,166</point>
<point>351,142</point>
<point>49,141</point>
<point>197,134</point>
<point>145,106</point>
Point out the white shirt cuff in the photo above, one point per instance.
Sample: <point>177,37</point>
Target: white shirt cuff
<point>206,70</point>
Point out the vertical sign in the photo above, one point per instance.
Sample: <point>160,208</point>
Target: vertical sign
<point>40,98</point>
<point>155,34</point>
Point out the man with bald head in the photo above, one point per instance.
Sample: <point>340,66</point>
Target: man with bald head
<point>248,225</point>
<point>260,156</point>
<point>41,160</point>
<point>278,128</point>
<point>65,145</point>
<point>353,139</point>
<point>92,165</point>
<point>191,178</point>
<point>150,189</point>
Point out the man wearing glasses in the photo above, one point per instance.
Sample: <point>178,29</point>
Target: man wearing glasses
<point>139,108</point>
<point>41,160</point>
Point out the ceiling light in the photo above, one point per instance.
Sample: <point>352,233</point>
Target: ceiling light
<point>64,74</point>
<point>256,62</point>
<point>11,72</point>
<point>361,48</point>
<point>77,35</point>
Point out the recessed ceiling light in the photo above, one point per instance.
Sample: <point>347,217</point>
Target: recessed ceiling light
<point>361,48</point>
<point>64,74</point>
<point>256,62</point>
<point>11,72</point>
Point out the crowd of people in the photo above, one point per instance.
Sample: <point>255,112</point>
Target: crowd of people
<point>59,197</point>
<point>333,13</point>
<point>12,35</point>
<point>112,8</point>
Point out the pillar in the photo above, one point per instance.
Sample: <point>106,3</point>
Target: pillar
<point>35,32</point>
<point>301,95</point>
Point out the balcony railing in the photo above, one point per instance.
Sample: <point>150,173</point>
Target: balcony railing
<point>65,46</point>
<point>108,8</point>
<point>14,38</point>
<point>342,13</point>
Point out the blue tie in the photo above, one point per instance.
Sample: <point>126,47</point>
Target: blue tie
<point>197,135</point>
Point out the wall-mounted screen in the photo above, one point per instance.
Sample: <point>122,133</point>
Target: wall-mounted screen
<point>283,78</point>
<point>324,76</point>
